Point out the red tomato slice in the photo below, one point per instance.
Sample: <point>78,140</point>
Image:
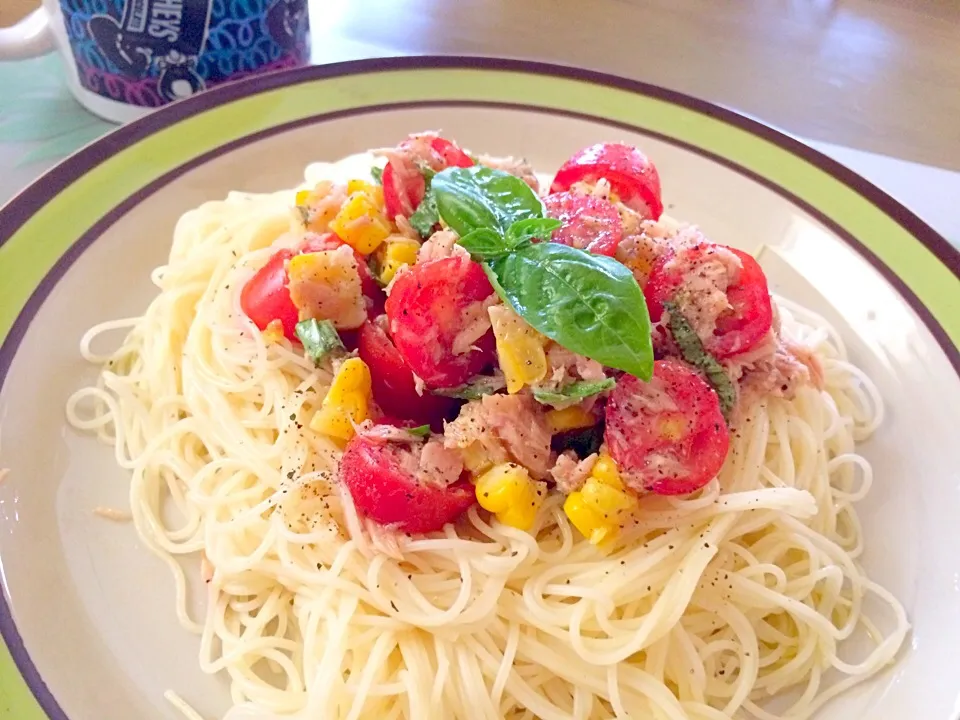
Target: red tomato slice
<point>426,311</point>
<point>452,155</point>
<point>589,223</point>
<point>403,189</point>
<point>667,436</point>
<point>384,490</point>
<point>630,173</point>
<point>751,313</point>
<point>266,296</point>
<point>403,183</point>
<point>394,388</point>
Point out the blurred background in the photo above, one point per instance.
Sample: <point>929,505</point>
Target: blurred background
<point>875,83</point>
<point>877,75</point>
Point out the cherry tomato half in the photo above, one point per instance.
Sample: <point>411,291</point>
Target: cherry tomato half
<point>750,315</point>
<point>403,183</point>
<point>451,155</point>
<point>266,296</point>
<point>394,388</point>
<point>630,173</point>
<point>384,490</point>
<point>589,223</point>
<point>426,310</point>
<point>667,436</point>
<point>403,188</point>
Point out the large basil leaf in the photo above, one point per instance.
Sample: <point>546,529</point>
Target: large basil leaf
<point>480,197</point>
<point>590,304</point>
<point>483,243</point>
<point>531,229</point>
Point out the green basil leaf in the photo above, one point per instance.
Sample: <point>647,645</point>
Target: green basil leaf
<point>425,170</point>
<point>475,389</point>
<point>573,392</point>
<point>590,304</point>
<point>694,353</point>
<point>419,431</point>
<point>377,174</point>
<point>531,229</point>
<point>319,338</point>
<point>304,214</point>
<point>426,215</point>
<point>484,243</point>
<point>480,197</point>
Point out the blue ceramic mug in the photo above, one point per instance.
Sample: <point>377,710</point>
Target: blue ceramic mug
<point>127,56</point>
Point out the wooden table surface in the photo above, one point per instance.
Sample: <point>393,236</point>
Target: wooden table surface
<point>877,75</point>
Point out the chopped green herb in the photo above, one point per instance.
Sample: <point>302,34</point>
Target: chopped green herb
<point>419,431</point>
<point>319,338</point>
<point>377,174</point>
<point>425,170</point>
<point>573,392</point>
<point>304,214</point>
<point>426,215</point>
<point>475,389</point>
<point>694,353</point>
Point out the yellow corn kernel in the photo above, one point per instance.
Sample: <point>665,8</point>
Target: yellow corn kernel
<point>508,491</point>
<point>606,500</point>
<point>570,418</point>
<point>273,332</point>
<point>347,401</point>
<point>519,348</point>
<point>597,509</point>
<point>605,471</point>
<point>360,224</point>
<point>393,255</point>
<point>374,192</point>
<point>588,521</point>
<point>302,197</point>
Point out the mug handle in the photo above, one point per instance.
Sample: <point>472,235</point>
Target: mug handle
<point>30,37</point>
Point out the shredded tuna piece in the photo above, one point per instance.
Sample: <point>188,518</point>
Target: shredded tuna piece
<point>442,244</point>
<point>325,202</point>
<point>564,366</point>
<point>326,286</point>
<point>384,433</point>
<point>646,241</point>
<point>520,425</point>
<point>774,366</point>
<point>570,473</point>
<point>476,323</point>
<point>439,465</point>
<point>405,228</point>
<point>471,432</point>
<point>518,167</point>
<point>706,277</point>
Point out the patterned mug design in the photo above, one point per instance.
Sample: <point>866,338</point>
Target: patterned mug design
<point>150,52</point>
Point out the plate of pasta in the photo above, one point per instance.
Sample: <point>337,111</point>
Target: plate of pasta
<point>457,388</point>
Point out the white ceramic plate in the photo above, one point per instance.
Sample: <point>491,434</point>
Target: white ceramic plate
<point>88,613</point>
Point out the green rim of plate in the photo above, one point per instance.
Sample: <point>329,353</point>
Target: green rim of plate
<point>108,178</point>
